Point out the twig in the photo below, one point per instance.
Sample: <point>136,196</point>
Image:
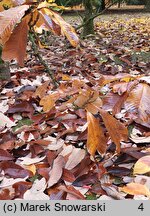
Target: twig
<point>32,38</point>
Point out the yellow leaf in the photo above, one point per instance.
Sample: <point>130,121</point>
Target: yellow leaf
<point>9,19</point>
<point>15,47</point>
<point>136,189</point>
<point>48,101</point>
<point>142,165</point>
<point>96,139</point>
<point>117,131</point>
<point>41,90</point>
<point>6,4</point>
<point>31,167</point>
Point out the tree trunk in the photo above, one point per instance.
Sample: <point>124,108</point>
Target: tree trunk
<point>147,5</point>
<point>103,5</point>
<point>119,3</point>
<point>89,26</point>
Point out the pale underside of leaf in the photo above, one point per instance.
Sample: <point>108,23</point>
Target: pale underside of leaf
<point>56,171</point>
<point>9,19</point>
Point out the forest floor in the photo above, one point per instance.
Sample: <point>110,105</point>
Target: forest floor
<point>88,138</point>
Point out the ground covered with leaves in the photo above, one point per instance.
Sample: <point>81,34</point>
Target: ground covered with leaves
<point>88,138</point>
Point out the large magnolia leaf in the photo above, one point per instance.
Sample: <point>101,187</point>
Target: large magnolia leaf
<point>117,131</point>
<point>96,139</point>
<point>138,104</point>
<point>142,165</point>
<point>15,47</point>
<point>66,29</point>
<point>9,19</point>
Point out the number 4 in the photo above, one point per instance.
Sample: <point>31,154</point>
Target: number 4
<point>141,207</point>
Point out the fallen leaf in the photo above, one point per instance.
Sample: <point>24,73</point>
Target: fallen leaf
<point>28,160</point>
<point>70,189</point>
<point>96,140</point>
<point>138,103</point>
<point>136,189</point>
<point>56,171</point>
<point>5,155</point>
<point>5,121</point>
<point>117,131</point>
<point>75,158</point>
<point>37,191</point>
<point>142,165</point>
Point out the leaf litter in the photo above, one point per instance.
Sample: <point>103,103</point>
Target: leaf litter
<point>88,138</point>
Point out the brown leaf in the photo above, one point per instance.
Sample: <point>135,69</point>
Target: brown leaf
<point>68,176</point>
<point>15,47</point>
<point>8,20</point>
<point>5,155</point>
<point>138,103</point>
<point>117,131</point>
<point>117,107</point>
<point>14,170</point>
<point>23,106</point>
<point>86,179</point>
<point>119,171</point>
<point>136,189</point>
<point>56,171</point>
<point>49,23</point>
<point>89,100</point>
<point>41,90</point>
<point>48,101</point>
<point>70,189</point>
<point>96,140</point>
<point>6,194</point>
<point>21,187</point>
<point>66,28</point>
